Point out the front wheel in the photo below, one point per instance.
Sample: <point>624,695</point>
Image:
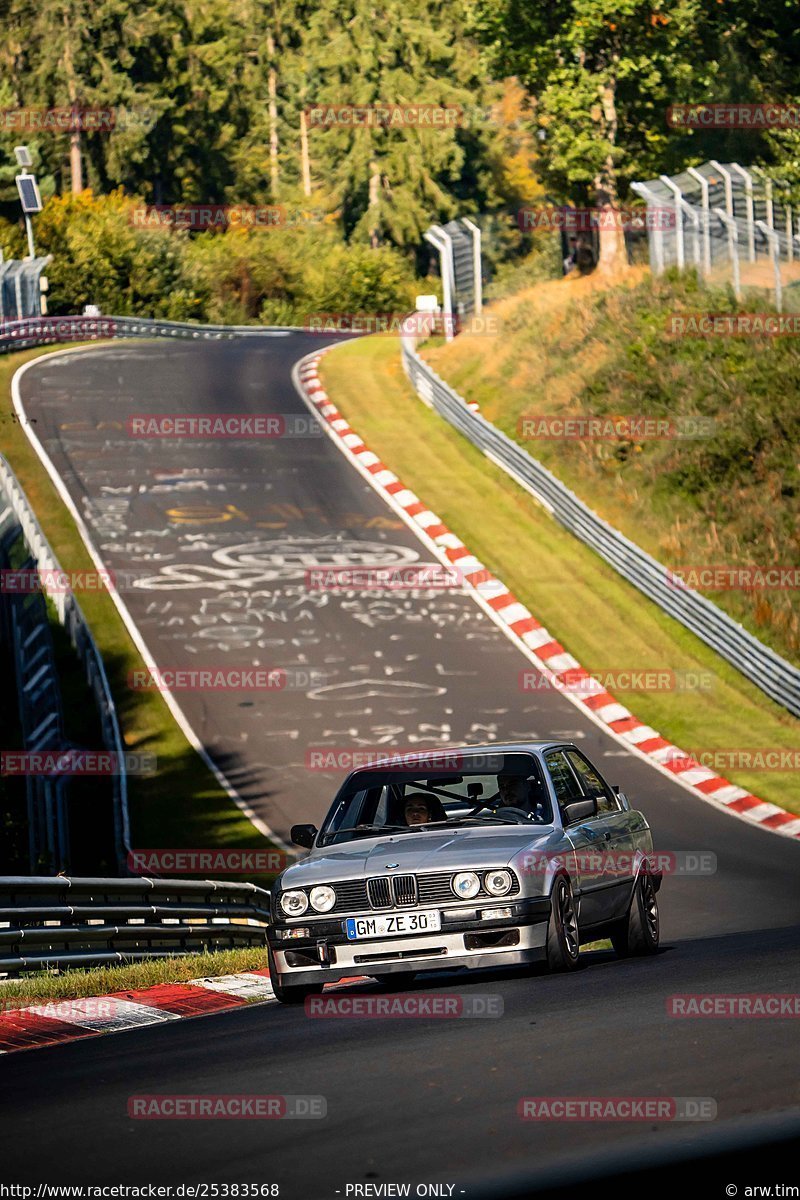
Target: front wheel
<point>639,932</point>
<point>563,939</point>
<point>288,993</point>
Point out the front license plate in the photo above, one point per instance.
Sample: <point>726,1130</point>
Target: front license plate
<point>392,925</point>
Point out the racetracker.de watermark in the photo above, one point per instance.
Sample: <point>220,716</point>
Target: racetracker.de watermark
<point>75,762</point>
<point>59,329</point>
<point>243,1107</point>
<point>417,577</point>
<point>387,116</point>
<point>732,115</point>
<point>584,220</point>
<point>708,325</point>
<point>614,863</point>
<point>222,425</point>
<point>220,862</point>
<point>38,118</point>
<point>222,216</point>
<point>578,682</point>
<point>348,758</point>
<point>733,758</point>
<point>617,1108</point>
<point>730,578</point>
<point>426,1005</point>
<point>226,679</point>
<point>630,427</point>
<point>744,1005</point>
<point>417,324</point>
<point>54,580</point>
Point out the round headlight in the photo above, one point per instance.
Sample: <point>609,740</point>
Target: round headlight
<point>497,883</point>
<point>466,885</point>
<point>322,898</point>
<point>294,904</point>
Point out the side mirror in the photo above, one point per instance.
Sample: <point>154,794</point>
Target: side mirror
<point>303,835</point>
<point>580,810</point>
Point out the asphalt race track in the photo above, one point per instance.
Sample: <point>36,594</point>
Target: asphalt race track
<point>217,537</point>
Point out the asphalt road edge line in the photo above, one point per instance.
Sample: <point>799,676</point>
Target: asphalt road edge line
<point>771,818</point>
<point>172,704</point>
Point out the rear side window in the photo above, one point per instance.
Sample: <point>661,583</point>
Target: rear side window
<point>564,781</point>
<point>592,784</point>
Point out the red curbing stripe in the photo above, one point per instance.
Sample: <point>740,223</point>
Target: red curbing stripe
<point>524,625</point>
<point>181,998</point>
<point>21,1030</point>
<point>743,803</point>
<point>709,786</point>
<point>550,650</point>
<point>625,724</point>
<point>600,700</point>
<point>656,743</point>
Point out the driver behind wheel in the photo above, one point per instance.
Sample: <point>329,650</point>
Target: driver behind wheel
<point>514,791</point>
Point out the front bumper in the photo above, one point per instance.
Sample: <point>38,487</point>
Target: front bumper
<point>463,941</point>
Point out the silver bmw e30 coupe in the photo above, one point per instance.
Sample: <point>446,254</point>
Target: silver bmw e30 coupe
<point>481,856</point>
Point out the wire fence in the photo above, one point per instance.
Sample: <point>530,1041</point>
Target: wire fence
<point>733,224</point>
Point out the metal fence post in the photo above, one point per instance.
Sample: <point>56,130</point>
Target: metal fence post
<point>750,209</point>
<point>775,251</point>
<point>476,264</point>
<point>733,249</point>
<point>678,197</point>
<point>701,179</point>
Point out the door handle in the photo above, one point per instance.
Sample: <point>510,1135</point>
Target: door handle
<point>606,836</point>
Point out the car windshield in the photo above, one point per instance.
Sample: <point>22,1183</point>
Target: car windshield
<point>418,802</point>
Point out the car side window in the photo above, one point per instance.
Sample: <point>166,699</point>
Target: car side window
<point>566,785</point>
<point>593,785</point>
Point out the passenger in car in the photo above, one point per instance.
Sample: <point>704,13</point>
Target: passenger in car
<point>419,809</point>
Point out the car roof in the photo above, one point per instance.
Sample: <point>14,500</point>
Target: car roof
<point>427,756</point>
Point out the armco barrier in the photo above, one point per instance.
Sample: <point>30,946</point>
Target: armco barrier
<point>779,679</point>
<point>14,508</point>
<point>48,922</point>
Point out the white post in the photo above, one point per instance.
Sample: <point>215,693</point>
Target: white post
<point>29,231</point>
<point>439,240</point>
<point>676,192</point>
<point>701,179</point>
<point>789,238</point>
<point>733,249</point>
<point>775,251</point>
<point>751,226</point>
<point>476,264</point>
<point>726,175</point>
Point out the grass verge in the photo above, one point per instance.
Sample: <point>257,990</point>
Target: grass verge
<point>599,618</point>
<point>100,981</point>
<point>181,805</point>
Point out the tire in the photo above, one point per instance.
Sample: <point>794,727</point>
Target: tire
<point>289,993</point>
<point>638,934</point>
<point>398,982</point>
<point>563,938</point>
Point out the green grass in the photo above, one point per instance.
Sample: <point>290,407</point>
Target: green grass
<point>580,599</point>
<point>578,349</point>
<point>100,981</point>
<point>182,805</point>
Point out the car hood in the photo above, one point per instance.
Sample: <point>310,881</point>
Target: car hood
<point>450,850</point>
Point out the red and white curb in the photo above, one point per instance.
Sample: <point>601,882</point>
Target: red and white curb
<point>519,624</point>
<point>70,1020</point>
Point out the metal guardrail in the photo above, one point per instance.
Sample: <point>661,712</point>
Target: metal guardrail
<point>15,509</point>
<point>779,679</point>
<point>48,922</point>
<point>42,331</point>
